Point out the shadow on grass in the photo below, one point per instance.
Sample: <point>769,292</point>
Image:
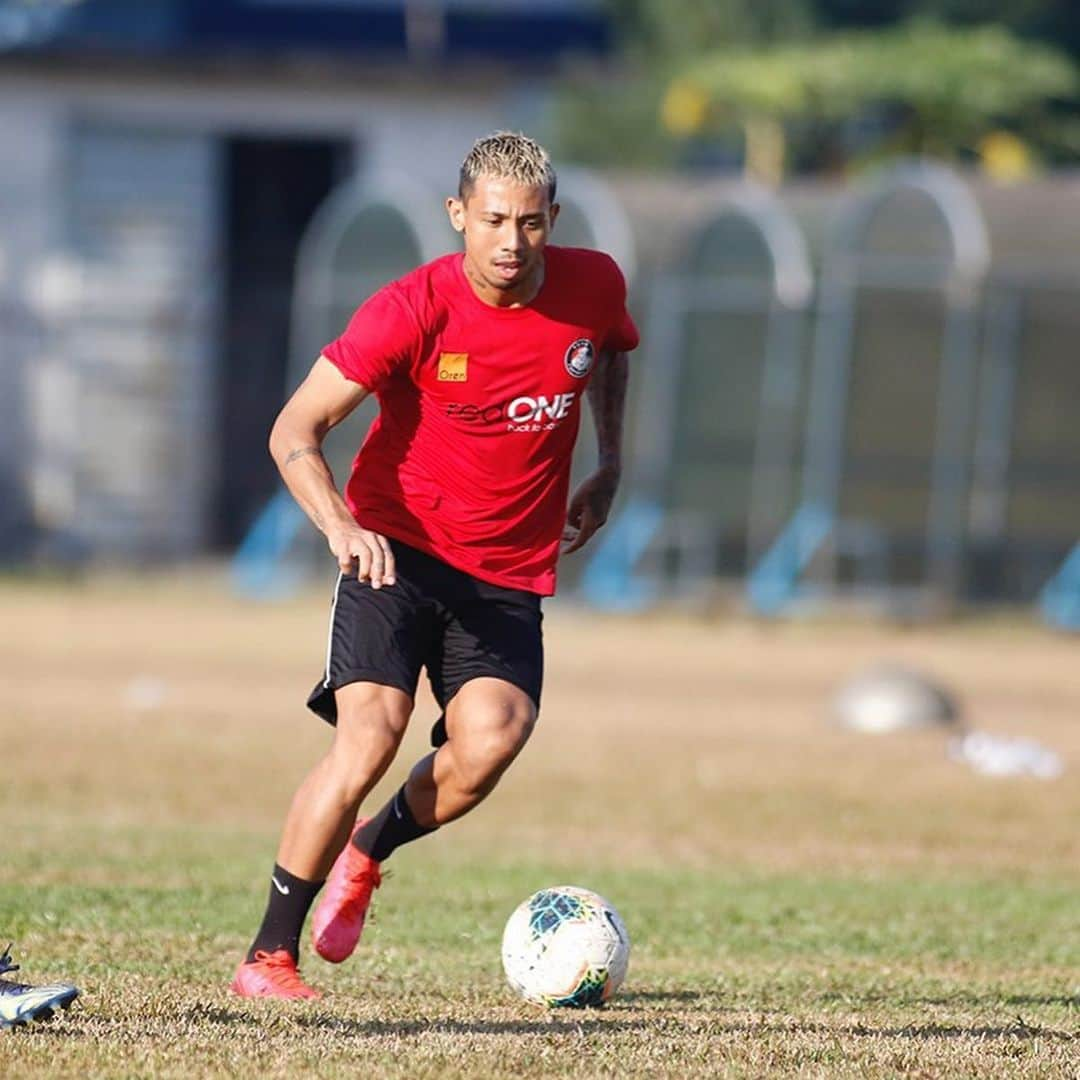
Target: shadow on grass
<point>587,1022</point>
<point>565,1023</point>
<point>985,1000</point>
<point>215,1014</point>
<point>575,1023</point>
<point>578,1024</point>
<point>921,1032</point>
<point>1018,1029</point>
<point>995,1000</point>
<point>666,997</point>
<point>1072,1001</point>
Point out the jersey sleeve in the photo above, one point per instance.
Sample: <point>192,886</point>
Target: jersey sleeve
<point>381,338</point>
<point>622,336</point>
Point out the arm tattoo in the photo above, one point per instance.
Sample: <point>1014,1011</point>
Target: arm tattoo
<point>607,399</point>
<point>303,451</point>
<point>304,487</point>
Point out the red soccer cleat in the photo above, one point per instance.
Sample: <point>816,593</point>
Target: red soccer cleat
<point>339,918</point>
<point>271,974</point>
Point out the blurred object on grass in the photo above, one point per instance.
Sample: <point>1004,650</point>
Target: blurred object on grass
<point>1000,755</point>
<point>889,697</point>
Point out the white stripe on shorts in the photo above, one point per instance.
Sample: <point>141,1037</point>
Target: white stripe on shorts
<point>330,632</point>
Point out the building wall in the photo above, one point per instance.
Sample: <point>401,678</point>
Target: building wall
<point>30,192</point>
<point>111,232</point>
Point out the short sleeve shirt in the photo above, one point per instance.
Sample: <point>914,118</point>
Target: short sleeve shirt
<point>479,407</point>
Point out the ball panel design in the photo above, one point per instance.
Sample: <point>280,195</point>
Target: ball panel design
<point>550,907</point>
<point>565,946</point>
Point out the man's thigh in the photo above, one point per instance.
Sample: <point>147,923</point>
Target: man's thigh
<point>381,636</point>
<point>490,634</point>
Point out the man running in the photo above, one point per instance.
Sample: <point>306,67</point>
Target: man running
<point>448,534</point>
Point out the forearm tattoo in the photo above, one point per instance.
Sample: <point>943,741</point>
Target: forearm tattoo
<point>303,451</point>
<point>607,399</point>
<point>303,497</point>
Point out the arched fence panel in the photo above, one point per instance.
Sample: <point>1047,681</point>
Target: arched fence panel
<point>714,442</point>
<point>1025,500</point>
<point>893,386</point>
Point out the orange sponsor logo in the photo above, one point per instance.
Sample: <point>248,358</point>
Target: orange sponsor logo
<point>453,366</point>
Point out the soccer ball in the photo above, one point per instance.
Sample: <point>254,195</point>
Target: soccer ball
<point>565,946</point>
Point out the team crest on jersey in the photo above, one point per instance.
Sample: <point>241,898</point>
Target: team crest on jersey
<point>453,366</point>
<point>579,357</point>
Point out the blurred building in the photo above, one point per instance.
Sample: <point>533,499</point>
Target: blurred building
<point>910,378</point>
<point>161,161</point>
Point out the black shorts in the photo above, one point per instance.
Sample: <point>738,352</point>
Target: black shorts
<point>435,617</point>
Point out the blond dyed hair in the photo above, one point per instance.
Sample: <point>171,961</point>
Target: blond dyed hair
<point>507,155</point>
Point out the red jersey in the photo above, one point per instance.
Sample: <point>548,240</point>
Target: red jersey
<point>469,457</point>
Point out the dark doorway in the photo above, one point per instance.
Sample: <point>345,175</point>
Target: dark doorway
<point>272,188</point>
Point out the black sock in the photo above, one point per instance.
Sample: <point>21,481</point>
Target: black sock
<point>391,827</point>
<point>290,900</point>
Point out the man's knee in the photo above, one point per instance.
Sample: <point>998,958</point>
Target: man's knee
<point>499,744</point>
<point>487,736</point>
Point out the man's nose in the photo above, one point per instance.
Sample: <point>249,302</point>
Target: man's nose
<point>513,236</point>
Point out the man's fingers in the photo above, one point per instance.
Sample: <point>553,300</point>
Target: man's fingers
<point>577,542</point>
<point>589,525</point>
<point>365,553</point>
<point>388,559</point>
<point>371,563</point>
<point>362,554</point>
<point>374,558</point>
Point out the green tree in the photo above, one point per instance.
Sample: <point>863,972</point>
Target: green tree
<point>614,115</point>
<point>666,29</point>
<point>950,86</point>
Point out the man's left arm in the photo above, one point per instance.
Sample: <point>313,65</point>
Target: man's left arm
<point>591,503</point>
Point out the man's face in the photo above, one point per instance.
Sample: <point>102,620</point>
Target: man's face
<point>505,226</point>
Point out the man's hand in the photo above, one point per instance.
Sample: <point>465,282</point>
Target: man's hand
<point>589,508</point>
<point>366,551</point>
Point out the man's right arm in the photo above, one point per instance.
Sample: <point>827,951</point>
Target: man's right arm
<point>319,404</point>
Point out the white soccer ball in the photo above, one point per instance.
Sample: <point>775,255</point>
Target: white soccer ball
<point>565,946</point>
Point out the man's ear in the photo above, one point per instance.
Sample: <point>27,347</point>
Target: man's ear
<point>553,213</point>
<point>455,210</point>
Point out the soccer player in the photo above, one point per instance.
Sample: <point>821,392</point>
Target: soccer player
<point>447,537</point>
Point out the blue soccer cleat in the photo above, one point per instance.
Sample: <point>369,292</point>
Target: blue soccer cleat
<point>20,1003</point>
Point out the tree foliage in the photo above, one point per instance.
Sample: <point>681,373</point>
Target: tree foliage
<point>950,86</point>
<point>662,30</point>
<point>615,116</point>
<point>697,77</point>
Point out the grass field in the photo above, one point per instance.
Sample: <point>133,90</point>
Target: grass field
<point>803,901</point>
